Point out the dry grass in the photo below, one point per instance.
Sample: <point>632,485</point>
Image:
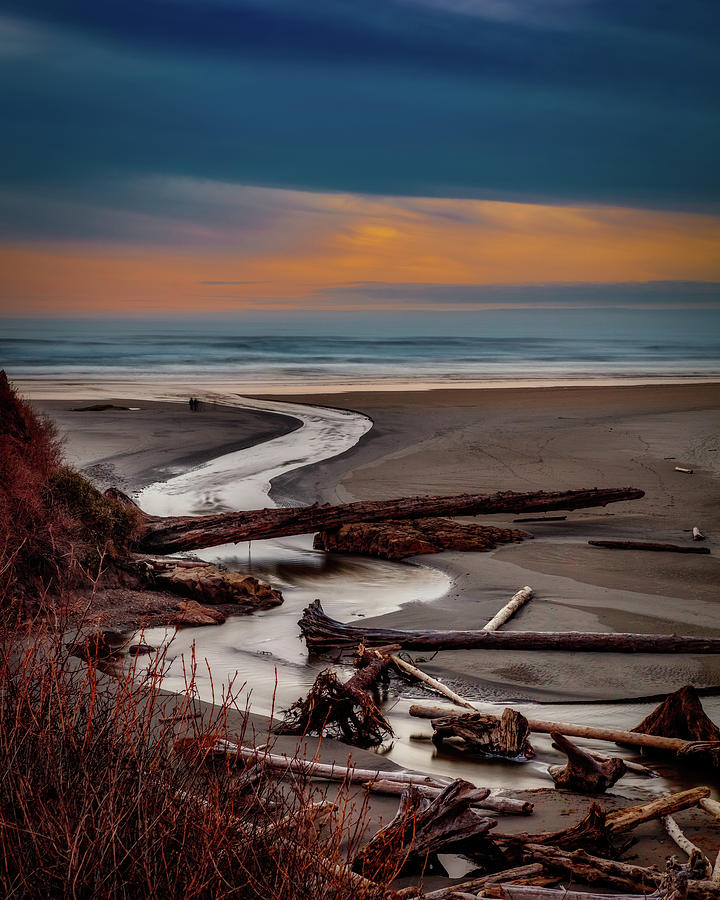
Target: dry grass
<point>56,529</point>
<point>95,802</point>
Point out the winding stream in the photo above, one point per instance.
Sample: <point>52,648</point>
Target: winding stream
<point>264,654</point>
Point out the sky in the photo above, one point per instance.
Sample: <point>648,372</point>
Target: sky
<point>191,156</point>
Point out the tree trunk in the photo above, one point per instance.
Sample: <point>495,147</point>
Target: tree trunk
<point>630,817</point>
<point>647,545</point>
<point>323,633</point>
<point>158,534</point>
<point>583,773</point>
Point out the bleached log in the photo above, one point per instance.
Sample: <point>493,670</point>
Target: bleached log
<point>697,534</point>
<point>638,768</point>
<point>684,843</point>
<point>711,806</point>
<point>484,800</point>
<point>510,608</point>
<point>324,771</point>
<point>430,682</point>
<point>684,470</point>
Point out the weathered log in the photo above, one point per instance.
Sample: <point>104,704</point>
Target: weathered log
<point>421,829</point>
<point>160,534</point>
<point>591,832</point>
<point>684,470</point>
<point>623,820</point>
<point>346,711</point>
<point>540,519</point>
<point>485,735</point>
<point>323,633</point>
<point>393,539</point>
<point>309,768</point>
<point>511,607</point>
<point>583,773</point>
<point>698,861</point>
<point>711,806</point>
<point>647,545</point>
<point>697,535</point>
<point>689,749</point>
<point>483,800</point>
<point>431,682</point>
<point>518,873</point>
<point>580,866</point>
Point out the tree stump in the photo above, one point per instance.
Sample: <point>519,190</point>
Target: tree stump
<point>346,711</point>
<point>584,773</point>
<point>681,715</point>
<point>485,735</point>
<point>421,829</point>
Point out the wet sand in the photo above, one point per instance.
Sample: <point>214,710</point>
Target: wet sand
<point>443,442</point>
<point>133,447</point>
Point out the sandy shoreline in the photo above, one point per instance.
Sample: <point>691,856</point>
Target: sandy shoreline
<point>449,441</point>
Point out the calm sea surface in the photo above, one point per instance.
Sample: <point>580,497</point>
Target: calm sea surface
<point>326,348</point>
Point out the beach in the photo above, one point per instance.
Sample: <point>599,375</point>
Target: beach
<point>449,441</point>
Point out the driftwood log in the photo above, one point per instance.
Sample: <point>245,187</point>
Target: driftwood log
<point>507,805</point>
<point>347,711</point>
<point>601,831</point>
<point>322,633</point>
<point>580,866</point>
<point>421,829</point>
<point>392,539</point>
<point>170,534</point>
<point>584,773</point>
<point>683,748</point>
<point>484,735</point>
<point>681,715</point>
<point>647,545</point>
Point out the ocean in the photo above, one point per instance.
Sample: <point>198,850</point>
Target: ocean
<point>314,348</point>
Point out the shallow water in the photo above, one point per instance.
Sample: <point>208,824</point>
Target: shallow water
<point>263,654</point>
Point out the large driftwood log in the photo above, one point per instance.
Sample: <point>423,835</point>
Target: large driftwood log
<point>347,711</point>
<point>580,866</point>
<point>583,772</point>
<point>647,545</point>
<point>485,735</point>
<point>323,633</point>
<point>684,749</point>
<point>421,829</point>
<point>160,534</point>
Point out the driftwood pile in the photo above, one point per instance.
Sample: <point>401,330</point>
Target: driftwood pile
<point>434,818</point>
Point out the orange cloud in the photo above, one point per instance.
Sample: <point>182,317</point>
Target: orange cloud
<point>336,239</point>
